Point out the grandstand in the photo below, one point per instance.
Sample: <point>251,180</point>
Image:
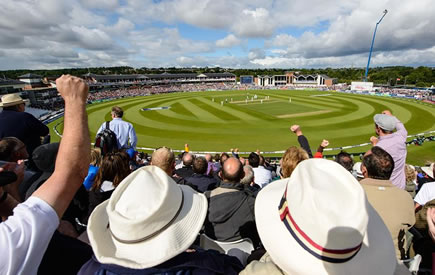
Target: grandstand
<point>159,79</point>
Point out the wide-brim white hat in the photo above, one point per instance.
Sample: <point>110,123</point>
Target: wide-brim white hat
<point>357,169</point>
<point>428,170</point>
<point>319,221</point>
<point>148,220</point>
<point>11,100</point>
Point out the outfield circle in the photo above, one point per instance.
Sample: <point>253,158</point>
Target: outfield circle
<point>200,120</point>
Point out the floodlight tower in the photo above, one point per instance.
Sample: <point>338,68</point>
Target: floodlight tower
<point>371,48</point>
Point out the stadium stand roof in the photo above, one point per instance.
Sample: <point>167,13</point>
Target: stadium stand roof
<point>29,76</point>
<point>10,82</point>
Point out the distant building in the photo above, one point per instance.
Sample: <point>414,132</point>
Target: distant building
<point>31,80</point>
<point>159,79</point>
<point>11,86</point>
<point>293,78</point>
<point>40,92</point>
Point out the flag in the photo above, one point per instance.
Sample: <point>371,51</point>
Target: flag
<point>398,79</point>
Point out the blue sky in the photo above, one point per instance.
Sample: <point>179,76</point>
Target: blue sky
<point>234,34</point>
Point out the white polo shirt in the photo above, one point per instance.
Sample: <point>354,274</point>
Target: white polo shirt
<point>25,235</point>
<point>426,193</point>
<point>262,176</point>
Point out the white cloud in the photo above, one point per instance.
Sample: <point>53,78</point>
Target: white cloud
<point>229,41</point>
<point>100,4</point>
<point>270,33</point>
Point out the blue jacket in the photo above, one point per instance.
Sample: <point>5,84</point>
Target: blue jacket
<point>90,178</point>
<point>195,263</point>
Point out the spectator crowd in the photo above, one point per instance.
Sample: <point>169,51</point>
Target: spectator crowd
<point>67,208</point>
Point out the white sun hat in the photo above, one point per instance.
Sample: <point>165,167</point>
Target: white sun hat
<point>357,169</point>
<point>319,221</point>
<point>11,100</point>
<point>428,170</point>
<point>148,220</point>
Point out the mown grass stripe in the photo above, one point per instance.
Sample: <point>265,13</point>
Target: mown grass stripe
<point>199,112</point>
<point>227,108</point>
<point>213,110</point>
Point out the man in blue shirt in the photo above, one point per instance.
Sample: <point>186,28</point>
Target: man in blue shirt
<point>124,130</point>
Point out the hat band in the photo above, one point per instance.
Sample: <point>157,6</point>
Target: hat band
<point>318,251</point>
<point>152,234</point>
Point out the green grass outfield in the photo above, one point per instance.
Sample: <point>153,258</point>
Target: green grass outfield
<point>201,120</point>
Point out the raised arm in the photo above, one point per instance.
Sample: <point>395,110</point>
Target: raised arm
<point>400,128</point>
<point>73,157</point>
<point>303,141</point>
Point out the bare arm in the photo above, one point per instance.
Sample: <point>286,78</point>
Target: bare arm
<point>73,157</point>
<point>430,217</point>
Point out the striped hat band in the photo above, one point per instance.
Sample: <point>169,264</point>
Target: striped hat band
<point>318,251</point>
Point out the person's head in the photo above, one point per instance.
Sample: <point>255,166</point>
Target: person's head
<point>377,164</point>
<point>12,149</point>
<point>343,234</point>
<point>291,158</point>
<point>187,159</point>
<point>45,156</point>
<point>117,112</point>
<point>223,157</point>
<point>96,156</point>
<point>429,170</point>
<point>249,175</point>
<point>384,124</point>
<point>164,158</point>
<point>148,220</point>
<point>200,165</point>
<point>13,102</point>
<point>254,160</point>
<point>114,168</point>
<point>232,170</point>
<point>262,161</point>
<point>410,173</point>
<point>208,157</point>
<point>345,160</point>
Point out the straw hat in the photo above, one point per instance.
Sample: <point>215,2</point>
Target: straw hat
<point>11,100</point>
<point>319,221</point>
<point>148,220</point>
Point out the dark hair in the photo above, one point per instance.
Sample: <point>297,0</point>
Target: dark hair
<point>117,111</point>
<point>383,130</point>
<point>7,148</point>
<point>200,165</point>
<point>379,164</point>
<point>223,158</point>
<point>254,160</point>
<point>114,167</point>
<point>233,177</point>
<point>345,160</point>
<point>12,108</point>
